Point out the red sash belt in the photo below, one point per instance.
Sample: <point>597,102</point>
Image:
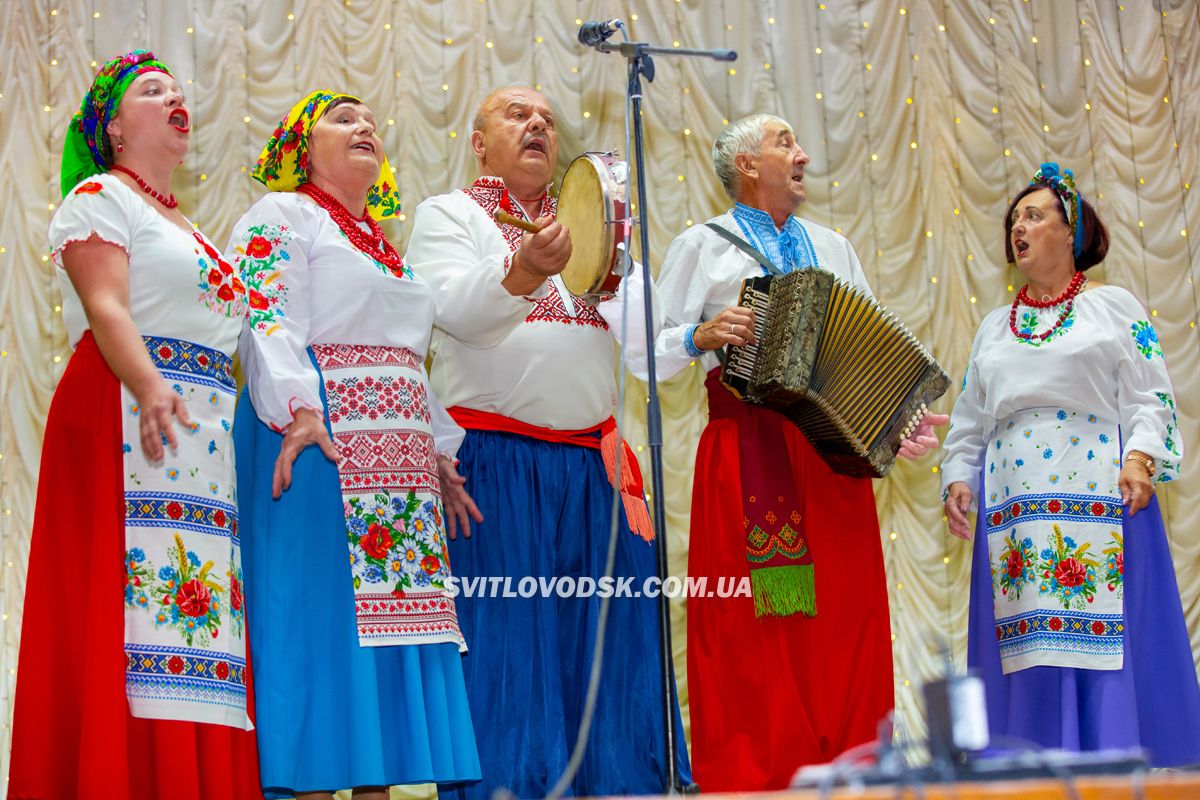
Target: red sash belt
<point>602,437</point>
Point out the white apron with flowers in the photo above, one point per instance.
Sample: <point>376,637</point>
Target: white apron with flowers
<point>185,649</point>
<point>1053,519</point>
<point>185,622</point>
<point>378,410</point>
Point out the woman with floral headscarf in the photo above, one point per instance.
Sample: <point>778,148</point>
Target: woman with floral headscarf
<point>1065,423</point>
<point>137,470</point>
<point>359,680</point>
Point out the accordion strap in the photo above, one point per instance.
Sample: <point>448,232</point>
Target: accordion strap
<point>745,247</point>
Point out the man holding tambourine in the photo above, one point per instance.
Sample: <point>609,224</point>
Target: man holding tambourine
<point>524,360</point>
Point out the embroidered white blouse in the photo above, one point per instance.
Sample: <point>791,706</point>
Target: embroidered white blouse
<point>166,263</point>
<point>1105,361</point>
<point>547,360</point>
<point>702,275</point>
<point>306,283</point>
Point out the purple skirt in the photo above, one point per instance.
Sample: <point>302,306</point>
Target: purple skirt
<point>1152,702</point>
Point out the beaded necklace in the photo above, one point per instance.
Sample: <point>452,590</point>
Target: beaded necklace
<point>1068,297</point>
<point>169,202</point>
<point>373,244</point>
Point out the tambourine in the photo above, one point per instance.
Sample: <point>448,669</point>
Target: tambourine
<point>592,205</point>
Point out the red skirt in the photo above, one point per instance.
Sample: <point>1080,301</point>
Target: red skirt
<point>72,732</point>
<point>771,694</point>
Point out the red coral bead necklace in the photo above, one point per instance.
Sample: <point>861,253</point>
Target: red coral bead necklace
<point>1068,297</point>
<point>169,202</point>
<point>374,244</point>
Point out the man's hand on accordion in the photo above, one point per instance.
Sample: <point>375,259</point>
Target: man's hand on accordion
<point>922,439</point>
<point>732,326</point>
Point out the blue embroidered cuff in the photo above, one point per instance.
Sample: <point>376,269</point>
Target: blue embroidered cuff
<point>689,343</point>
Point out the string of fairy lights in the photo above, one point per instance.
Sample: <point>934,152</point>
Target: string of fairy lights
<point>1184,187</point>
<point>948,599</point>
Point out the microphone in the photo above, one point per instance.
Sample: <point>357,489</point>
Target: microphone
<point>593,33</point>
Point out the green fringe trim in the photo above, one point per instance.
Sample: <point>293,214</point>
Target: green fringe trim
<point>784,591</point>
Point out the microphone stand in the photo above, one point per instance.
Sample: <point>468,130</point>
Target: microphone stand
<point>638,55</point>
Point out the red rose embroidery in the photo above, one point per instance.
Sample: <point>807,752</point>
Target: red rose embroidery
<point>165,353</point>
<point>1054,506</point>
<point>1016,509</point>
<point>223,670</point>
<point>1070,572</point>
<point>193,598</point>
<point>999,633</point>
<point>430,564</point>
<point>174,510</point>
<point>219,518</point>
<point>202,360</point>
<point>91,187</point>
<point>235,594</point>
<point>1098,627</point>
<point>175,664</point>
<point>225,293</point>
<point>997,518</point>
<point>1098,509</point>
<point>257,300</point>
<point>1015,564</point>
<point>259,247</point>
<point>1022,627</point>
<point>1055,624</point>
<point>377,542</point>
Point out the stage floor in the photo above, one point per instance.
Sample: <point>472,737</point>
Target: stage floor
<point>1157,786</point>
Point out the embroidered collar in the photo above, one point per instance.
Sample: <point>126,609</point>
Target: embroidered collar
<point>788,248</point>
<point>490,193</point>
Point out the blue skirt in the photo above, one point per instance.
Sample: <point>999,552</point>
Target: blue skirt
<point>1152,702</point>
<point>331,714</point>
<point>546,513</point>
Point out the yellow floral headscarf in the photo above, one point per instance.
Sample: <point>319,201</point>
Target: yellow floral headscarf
<point>283,163</point>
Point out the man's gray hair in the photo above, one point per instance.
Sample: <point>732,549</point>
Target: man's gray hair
<point>743,136</point>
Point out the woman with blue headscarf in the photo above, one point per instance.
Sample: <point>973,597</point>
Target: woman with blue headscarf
<point>133,679</point>
<point>1065,424</point>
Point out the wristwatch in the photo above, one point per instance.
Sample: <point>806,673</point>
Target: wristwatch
<point>1145,461</point>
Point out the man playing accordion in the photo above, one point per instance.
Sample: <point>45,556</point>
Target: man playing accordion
<point>801,671</point>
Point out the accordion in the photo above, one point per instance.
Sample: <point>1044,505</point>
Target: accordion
<point>843,369</point>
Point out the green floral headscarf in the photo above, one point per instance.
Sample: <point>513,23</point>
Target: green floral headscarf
<point>87,150</point>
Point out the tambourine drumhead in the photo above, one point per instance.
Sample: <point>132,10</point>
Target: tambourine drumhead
<point>583,209</point>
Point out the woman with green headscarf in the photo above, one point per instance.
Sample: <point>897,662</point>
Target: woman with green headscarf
<point>358,673</point>
<point>133,675</point>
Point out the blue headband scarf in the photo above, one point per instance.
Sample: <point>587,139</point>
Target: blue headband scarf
<point>1062,182</point>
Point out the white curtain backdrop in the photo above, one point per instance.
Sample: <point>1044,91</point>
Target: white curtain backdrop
<point>922,118</point>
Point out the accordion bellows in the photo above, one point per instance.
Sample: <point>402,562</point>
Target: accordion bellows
<point>843,369</point>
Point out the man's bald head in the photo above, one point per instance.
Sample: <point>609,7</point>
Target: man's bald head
<point>514,138</point>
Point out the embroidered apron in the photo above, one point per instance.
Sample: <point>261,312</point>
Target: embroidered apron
<point>378,412</point>
<point>184,616</point>
<point>1053,517</point>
